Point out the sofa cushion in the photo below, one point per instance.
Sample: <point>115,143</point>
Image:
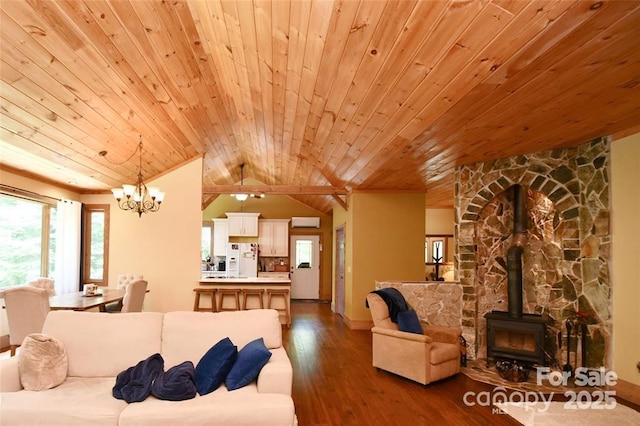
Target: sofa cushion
<point>277,375</point>
<point>76,402</point>
<point>42,362</point>
<point>214,366</point>
<point>408,321</point>
<point>241,327</point>
<point>241,407</point>
<point>100,345</point>
<point>250,361</point>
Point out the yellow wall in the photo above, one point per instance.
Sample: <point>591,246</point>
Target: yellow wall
<point>439,221</point>
<point>385,241</point>
<point>625,276</point>
<point>163,246</point>
<point>282,207</point>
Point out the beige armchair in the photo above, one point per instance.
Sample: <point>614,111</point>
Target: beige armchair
<point>46,283</point>
<point>421,358</point>
<point>27,307</point>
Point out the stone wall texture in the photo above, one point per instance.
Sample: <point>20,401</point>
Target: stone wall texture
<point>566,259</point>
<point>435,302</point>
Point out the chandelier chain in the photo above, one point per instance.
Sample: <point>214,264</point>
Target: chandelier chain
<point>138,198</point>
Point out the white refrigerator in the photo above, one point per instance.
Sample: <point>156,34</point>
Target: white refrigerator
<point>242,260</point>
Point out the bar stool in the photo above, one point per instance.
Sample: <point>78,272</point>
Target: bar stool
<point>284,293</point>
<point>196,303</point>
<point>246,292</point>
<point>235,292</point>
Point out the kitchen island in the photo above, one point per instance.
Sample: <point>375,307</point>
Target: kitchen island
<point>246,281</point>
<point>263,283</point>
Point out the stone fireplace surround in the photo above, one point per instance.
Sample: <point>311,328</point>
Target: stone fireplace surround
<point>566,261</point>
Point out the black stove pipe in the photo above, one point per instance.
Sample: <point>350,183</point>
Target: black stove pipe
<point>514,253</point>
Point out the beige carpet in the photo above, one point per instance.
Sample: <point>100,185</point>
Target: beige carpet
<point>557,414</point>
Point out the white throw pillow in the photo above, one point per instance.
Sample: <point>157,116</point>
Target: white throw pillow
<point>42,362</point>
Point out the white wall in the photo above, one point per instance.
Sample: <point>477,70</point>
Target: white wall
<point>163,246</point>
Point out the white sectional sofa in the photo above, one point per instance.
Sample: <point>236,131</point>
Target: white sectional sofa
<point>100,346</point>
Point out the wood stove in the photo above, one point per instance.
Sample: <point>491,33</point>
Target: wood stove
<point>520,338</point>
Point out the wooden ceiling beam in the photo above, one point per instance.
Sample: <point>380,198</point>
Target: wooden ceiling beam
<point>274,190</point>
<point>340,201</point>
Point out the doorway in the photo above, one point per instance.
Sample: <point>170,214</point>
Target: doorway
<point>339,297</point>
<point>305,266</point>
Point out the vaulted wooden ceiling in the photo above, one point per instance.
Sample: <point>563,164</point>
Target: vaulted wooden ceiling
<point>351,95</point>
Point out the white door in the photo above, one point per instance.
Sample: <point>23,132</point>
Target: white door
<point>305,268</point>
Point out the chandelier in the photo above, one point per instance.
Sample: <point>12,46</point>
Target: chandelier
<point>138,198</point>
<point>243,196</point>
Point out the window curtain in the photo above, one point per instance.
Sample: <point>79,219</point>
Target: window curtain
<point>68,235</point>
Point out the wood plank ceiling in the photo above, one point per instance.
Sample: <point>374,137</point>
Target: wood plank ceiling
<point>352,95</point>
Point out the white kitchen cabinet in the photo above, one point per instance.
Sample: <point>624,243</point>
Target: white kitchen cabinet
<point>273,237</point>
<point>243,224</point>
<point>220,237</point>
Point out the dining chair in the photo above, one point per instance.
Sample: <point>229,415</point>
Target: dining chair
<point>46,283</point>
<point>27,307</point>
<point>134,296</point>
<point>125,279</point>
<point>122,282</point>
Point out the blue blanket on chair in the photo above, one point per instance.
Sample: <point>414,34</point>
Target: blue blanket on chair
<point>394,300</point>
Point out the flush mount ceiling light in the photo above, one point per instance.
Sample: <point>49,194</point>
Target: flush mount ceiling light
<point>244,196</point>
<point>138,198</point>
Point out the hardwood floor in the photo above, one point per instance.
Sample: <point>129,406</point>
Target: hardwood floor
<point>334,382</point>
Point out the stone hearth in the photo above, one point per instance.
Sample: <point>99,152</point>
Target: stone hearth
<point>565,262</point>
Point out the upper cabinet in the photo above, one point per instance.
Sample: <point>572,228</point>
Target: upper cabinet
<point>243,224</point>
<point>273,237</point>
<point>220,237</point>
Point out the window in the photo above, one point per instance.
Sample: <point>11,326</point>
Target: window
<point>206,242</point>
<point>304,254</point>
<point>95,259</point>
<point>27,239</point>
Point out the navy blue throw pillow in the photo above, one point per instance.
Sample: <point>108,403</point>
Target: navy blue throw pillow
<point>214,366</point>
<point>408,321</point>
<point>250,361</point>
